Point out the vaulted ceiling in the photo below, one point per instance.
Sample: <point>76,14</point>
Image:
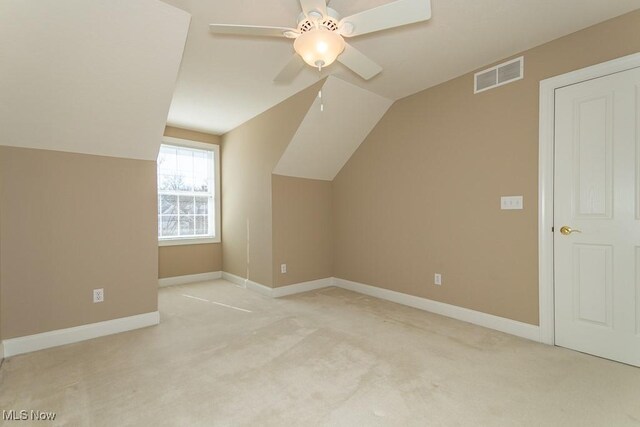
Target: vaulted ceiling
<point>226,80</point>
<point>88,77</point>
<point>331,131</point>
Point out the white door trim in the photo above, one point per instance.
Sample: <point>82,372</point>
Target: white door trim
<point>546,176</point>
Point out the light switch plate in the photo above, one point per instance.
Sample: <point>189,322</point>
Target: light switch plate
<point>511,203</point>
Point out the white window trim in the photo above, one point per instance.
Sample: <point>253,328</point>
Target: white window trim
<point>216,199</point>
<point>187,241</point>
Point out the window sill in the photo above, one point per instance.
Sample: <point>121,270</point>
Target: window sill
<point>178,242</point>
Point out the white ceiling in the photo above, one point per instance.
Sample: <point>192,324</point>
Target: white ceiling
<point>325,140</point>
<point>88,76</point>
<point>226,80</point>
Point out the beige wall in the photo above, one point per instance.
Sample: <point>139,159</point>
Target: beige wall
<point>250,153</point>
<point>182,260</point>
<point>191,135</point>
<point>72,223</point>
<point>1,310</point>
<point>302,232</point>
<point>421,194</point>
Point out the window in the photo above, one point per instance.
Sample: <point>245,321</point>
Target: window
<point>188,187</point>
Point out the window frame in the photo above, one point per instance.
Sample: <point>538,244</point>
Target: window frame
<point>192,240</point>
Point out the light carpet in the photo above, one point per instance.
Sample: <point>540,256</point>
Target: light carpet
<point>225,356</point>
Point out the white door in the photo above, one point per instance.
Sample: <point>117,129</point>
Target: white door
<point>597,189</point>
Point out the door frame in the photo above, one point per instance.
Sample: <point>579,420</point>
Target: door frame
<point>546,159</point>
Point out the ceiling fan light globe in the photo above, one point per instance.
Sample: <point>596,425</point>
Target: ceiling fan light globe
<point>319,46</point>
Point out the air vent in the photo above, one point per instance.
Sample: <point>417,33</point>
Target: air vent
<point>499,75</point>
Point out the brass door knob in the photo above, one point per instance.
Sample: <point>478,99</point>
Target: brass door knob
<point>566,230</point>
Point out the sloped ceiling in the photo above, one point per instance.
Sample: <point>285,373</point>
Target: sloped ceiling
<point>226,80</point>
<point>91,77</point>
<point>327,138</point>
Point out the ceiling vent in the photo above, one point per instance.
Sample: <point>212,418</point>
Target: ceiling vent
<point>499,75</point>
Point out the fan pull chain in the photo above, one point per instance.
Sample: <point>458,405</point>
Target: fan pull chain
<point>321,101</point>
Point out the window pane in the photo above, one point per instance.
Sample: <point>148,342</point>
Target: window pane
<point>185,183</point>
<point>169,225</point>
<point>201,185</point>
<point>185,186</point>
<point>185,161</point>
<point>186,204</point>
<point>186,226</point>
<point>202,205</point>
<point>212,214</point>
<point>167,160</point>
<point>202,225</point>
<point>168,204</point>
<point>202,163</point>
<point>175,183</point>
<point>170,182</point>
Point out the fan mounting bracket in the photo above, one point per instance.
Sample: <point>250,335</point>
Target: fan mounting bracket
<point>329,22</point>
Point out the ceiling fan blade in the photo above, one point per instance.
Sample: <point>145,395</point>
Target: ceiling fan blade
<point>359,63</point>
<point>251,30</point>
<point>314,5</point>
<point>395,14</point>
<point>291,70</point>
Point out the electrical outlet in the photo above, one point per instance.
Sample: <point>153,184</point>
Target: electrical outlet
<point>283,268</point>
<point>437,279</point>
<point>98,295</point>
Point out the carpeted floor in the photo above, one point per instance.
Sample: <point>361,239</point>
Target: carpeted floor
<point>225,356</point>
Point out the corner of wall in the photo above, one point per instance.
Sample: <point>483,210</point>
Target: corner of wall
<point>249,155</point>
<point>302,230</point>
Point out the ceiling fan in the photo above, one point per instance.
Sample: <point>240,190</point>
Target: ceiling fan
<point>319,35</point>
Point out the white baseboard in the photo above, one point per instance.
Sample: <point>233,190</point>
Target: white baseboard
<point>490,321</point>
<point>259,288</point>
<point>513,327</point>
<point>27,344</point>
<point>240,281</point>
<point>301,287</point>
<point>191,278</point>
<point>280,291</point>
